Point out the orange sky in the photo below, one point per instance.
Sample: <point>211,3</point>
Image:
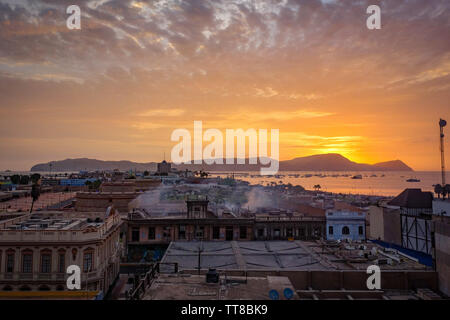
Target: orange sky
<point>136,71</point>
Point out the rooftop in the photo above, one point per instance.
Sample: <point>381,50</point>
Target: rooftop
<point>413,199</point>
<point>58,226</point>
<point>194,287</point>
<point>286,255</point>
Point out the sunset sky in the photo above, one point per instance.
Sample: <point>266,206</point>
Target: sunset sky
<point>137,70</point>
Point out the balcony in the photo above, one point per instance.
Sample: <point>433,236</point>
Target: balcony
<point>8,276</point>
<point>60,276</point>
<point>26,276</point>
<point>44,276</point>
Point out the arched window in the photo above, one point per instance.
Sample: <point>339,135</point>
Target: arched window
<point>27,261</point>
<point>345,230</point>
<point>88,260</point>
<point>46,261</point>
<point>61,261</point>
<point>9,263</point>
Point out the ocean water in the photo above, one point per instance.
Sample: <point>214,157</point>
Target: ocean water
<point>380,183</point>
<point>372,183</point>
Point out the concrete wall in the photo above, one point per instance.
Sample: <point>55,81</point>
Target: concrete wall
<point>376,222</point>
<point>173,233</point>
<point>385,224</point>
<point>93,201</point>
<point>441,207</point>
<point>392,226</point>
<point>442,243</point>
<point>353,227</point>
<point>349,279</point>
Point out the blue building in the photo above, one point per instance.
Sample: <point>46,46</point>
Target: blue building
<point>346,225</point>
<point>75,182</point>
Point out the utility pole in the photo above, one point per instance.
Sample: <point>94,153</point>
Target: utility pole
<point>442,124</point>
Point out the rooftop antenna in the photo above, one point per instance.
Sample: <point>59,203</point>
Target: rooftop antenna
<point>442,124</point>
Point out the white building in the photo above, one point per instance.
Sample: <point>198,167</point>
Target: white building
<point>343,224</point>
<point>36,249</point>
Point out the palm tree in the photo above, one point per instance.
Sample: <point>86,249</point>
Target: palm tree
<point>438,189</point>
<point>446,191</point>
<point>35,193</point>
<point>317,187</point>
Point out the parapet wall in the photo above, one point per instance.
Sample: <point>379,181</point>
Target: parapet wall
<point>100,201</point>
<point>347,279</point>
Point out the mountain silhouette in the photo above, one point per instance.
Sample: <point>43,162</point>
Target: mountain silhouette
<point>320,162</point>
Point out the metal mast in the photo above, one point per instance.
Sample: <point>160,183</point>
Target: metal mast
<point>442,124</point>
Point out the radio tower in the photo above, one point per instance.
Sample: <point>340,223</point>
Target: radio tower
<point>442,124</point>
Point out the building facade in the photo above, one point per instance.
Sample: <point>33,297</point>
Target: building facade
<point>384,222</point>
<point>441,220</point>
<point>343,225</point>
<point>415,219</point>
<point>35,251</point>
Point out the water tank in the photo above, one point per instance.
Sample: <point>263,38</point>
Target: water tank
<point>212,276</point>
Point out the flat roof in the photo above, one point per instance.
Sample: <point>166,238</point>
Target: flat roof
<point>284,255</point>
<point>195,287</point>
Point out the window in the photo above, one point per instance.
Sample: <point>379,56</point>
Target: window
<point>87,261</point>
<point>243,232</point>
<point>301,232</point>
<point>10,262</point>
<point>46,263</point>
<point>199,231</point>
<point>167,232</point>
<point>345,230</point>
<point>360,230</point>
<point>151,233</point>
<point>27,263</point>
<point>135,234</point>
<point>216,232</point>
<point>229,236</point>
<point>316,231</point>
<point>330,230</point>
<point>260,232</point>
<point>289,233</point>
<point>276,233</point>
<point>182,232</point>
<point>61,262</point>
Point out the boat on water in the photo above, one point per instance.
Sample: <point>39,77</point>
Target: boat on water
<point>358,176</point>
<point>413,180</point>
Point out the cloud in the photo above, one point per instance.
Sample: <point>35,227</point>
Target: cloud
<point>227,62</point>
<point>162,113</point>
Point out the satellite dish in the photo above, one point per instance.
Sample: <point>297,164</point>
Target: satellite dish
<point>288,293</point>
<point>442,123</point>
<point>273,294</point>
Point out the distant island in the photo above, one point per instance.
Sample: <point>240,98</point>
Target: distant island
<point>320,162</point>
